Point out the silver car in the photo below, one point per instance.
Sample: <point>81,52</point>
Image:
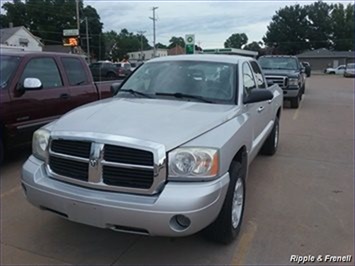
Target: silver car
<point>350,70</point>
<point>167,156</point>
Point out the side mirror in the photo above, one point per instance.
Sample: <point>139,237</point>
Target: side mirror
<point>269,82</point>
<point>115,87</point>
<point>32,84</point>
<point>258,95</point>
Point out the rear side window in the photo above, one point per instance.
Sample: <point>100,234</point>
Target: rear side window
<point>75,71</point>
<point>258,75</point>
<point>45,69</point>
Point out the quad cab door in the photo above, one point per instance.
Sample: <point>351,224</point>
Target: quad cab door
<point>260,112</point>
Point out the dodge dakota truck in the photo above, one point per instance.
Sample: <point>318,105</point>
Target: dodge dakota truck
<point>37,88</point>
<point>288,73</point>
<point>168,155</point>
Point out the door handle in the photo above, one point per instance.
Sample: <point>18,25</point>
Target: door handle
<point>260,109</point>
<point>64,96</point>
<point>270,101</point>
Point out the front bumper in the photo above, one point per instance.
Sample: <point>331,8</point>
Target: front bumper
<point>155,215</point>
<point>291,91</point>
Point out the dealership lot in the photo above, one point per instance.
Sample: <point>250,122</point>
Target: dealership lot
<point>299,202</point>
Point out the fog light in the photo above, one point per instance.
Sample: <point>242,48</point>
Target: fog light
<point>179,222</point>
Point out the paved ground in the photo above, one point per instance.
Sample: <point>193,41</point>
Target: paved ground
<point>299,202</point>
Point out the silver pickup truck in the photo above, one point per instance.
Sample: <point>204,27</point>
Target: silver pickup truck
<point>167,156</point>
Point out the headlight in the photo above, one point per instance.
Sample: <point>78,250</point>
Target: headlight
<point>40,143</point>
<point>193,163</point>
<point>293,82</point>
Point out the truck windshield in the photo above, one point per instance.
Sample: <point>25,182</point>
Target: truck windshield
<point>205,81</point>
<point>278,63</point>
<point>8,65</point>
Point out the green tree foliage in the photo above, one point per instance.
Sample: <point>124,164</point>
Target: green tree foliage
<point>253,46</point>
<point>161,46</point>
<point>343,27</point>
<point>294,29</point>
<point>118,45</point>
<point>174,41</point>
<point>287,30</point>
<point>47,19</point>
<point>236,40</point>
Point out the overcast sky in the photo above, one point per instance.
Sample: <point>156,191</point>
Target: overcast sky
<point>212,22</point>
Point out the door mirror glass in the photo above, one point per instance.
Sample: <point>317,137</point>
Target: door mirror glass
<point>32,84</point>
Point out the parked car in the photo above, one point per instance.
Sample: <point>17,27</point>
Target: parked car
<point>124,69</point>
<point>134,65</point>
<point>36,88</point>
<point>104,71</point>
<point>288,73</point>
<point>308,68</point>
<point>338,70</point>
<point>350,70</point>
<point>167,156</point>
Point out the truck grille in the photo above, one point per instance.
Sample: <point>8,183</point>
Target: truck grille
<point>127,155</point>
<point>72,147</point>
<point>114,166</point>
<point>281,81</point>
<point>69,168</point>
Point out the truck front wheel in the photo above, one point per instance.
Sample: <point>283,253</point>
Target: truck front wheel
<point>227,225</point>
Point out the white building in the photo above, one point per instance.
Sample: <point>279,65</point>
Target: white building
<point>146,55</point>
<point>19,37</point>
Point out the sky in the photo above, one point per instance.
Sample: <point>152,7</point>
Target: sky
<point>212,22</point>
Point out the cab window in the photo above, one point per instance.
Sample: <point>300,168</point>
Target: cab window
<point>258,75</point>
<point>248,79</point>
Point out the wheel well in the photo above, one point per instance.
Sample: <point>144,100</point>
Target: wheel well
<point>278,113</point>
<point>241,157</point>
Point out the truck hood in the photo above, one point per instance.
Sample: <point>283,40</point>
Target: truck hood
<point>281,72</point>
<point>166,122</point>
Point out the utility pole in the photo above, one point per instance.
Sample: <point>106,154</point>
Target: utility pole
<point>87,40</point>
<point>77,15</point>
<point>141,33</point>
<point>154,19</point>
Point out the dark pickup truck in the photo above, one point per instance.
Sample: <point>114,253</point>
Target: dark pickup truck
<point>287,72</point>
<point>36,88</point>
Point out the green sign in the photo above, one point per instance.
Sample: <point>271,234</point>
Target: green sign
<point>190,48</point>
<point>190,43</point>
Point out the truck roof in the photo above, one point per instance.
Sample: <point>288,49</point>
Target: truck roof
<point>32,53</point>
<point>232,59</point>
<point>290,56</point>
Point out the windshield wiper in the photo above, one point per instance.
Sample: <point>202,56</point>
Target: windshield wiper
<point>183,95</point>
<point>134,92</point>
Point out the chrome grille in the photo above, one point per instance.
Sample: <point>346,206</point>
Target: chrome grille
<point>105,166</point>
<point>279,80</point>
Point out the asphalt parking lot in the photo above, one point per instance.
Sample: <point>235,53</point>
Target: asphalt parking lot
<point>299,202</point>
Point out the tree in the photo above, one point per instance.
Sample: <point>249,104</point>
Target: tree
<point>287,30</point>
<point>119,45</point>
<point>343,27</point>
<point>236,40</point>
<point>253,46</point>
<point>174,41</point>
<point>319,25</point>
<point>161,46</point>
<point>48,18</point>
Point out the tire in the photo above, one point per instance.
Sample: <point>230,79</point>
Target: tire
<point>295,102</point>
<point>272,142</point>
<point>304,88</point>
<point>228,223</point>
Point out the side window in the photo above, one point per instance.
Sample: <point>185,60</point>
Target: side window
<point>45,69</point>
<point>75,71</point>
<point>248,79</point>
<point>258,75</point>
